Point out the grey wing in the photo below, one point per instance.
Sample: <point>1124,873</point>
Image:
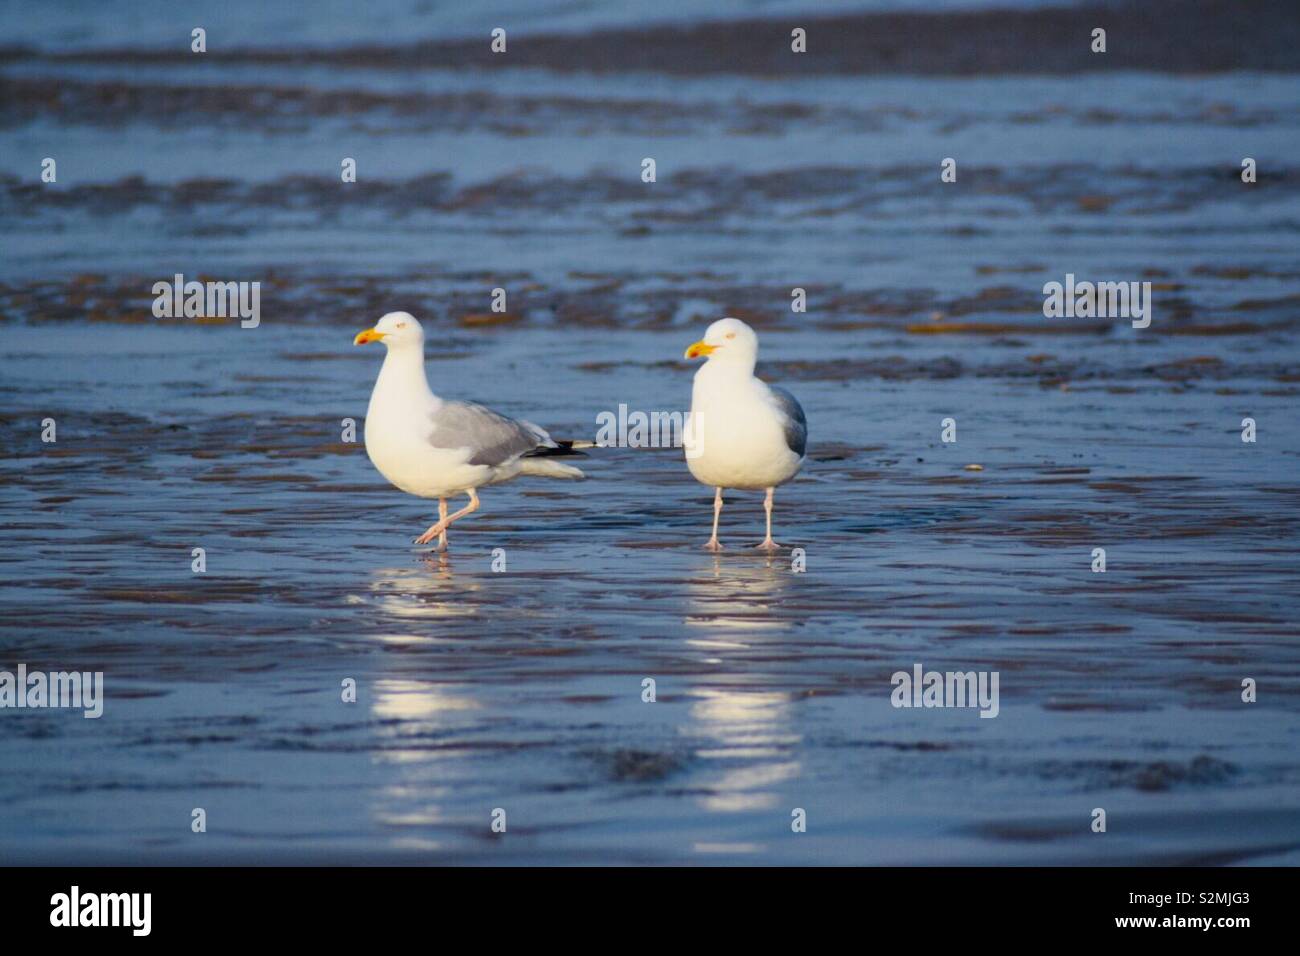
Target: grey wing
<point>792,419</point>
<point>491,439</point>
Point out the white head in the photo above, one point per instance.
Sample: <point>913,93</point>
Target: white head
<point>728,342</point>
<point>395,330</point>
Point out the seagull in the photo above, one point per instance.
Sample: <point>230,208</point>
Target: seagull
<point>434,448</point>
<point>742,432</point>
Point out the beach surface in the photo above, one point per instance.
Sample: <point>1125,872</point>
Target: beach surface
<point>522,689</point>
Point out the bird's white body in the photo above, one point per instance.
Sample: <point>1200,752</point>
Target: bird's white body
<point>398,423</point>
<point>736,438</point>
<point>741,433</point>
<point>434,448</point>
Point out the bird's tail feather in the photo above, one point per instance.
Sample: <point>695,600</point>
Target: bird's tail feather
<point>547,468</point>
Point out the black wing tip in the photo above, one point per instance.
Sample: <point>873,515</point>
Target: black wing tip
<point>562,449</point>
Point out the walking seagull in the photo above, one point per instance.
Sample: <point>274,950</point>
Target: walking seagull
<point>742,432</point>
<point>434,448</point>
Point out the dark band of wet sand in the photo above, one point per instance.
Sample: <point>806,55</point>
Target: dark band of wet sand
<point>1177,36</point>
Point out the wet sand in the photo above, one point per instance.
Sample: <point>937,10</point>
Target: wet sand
<point>522,690</point>
<point>1177,36</point>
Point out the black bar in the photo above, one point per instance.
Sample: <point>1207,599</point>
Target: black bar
<point>319,904</point>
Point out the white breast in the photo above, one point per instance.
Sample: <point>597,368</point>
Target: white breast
<point>398,424</point>
<point>736,437</point>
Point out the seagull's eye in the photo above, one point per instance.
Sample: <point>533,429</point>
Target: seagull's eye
<point>730,335</point>
<point>401,325</point>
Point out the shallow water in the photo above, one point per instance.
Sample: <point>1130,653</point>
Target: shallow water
<point>522,690</point>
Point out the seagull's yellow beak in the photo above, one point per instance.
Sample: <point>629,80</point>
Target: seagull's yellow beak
<point>700,348</point>
<point>369,335</point>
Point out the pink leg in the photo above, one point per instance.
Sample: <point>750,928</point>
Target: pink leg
<point>712,543</point>
<point>768,544</point>
<point>439,530</point>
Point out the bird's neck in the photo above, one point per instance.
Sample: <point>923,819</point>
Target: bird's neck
<point>731,372</point>
<point>402,377</point>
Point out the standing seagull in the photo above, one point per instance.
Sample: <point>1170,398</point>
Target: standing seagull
<point>742,433</point>
<point>434,448</point>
